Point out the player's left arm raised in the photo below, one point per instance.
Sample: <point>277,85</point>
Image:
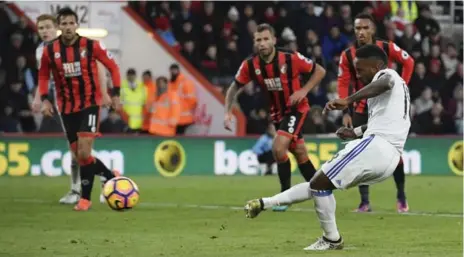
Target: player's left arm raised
<point>106,58</point>
<point>305,65</point>
<point>401,56</point>
<point>384,83</point>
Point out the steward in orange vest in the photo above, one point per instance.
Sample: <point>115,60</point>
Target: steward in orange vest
<point>187,95</point>
<point>164,110</point>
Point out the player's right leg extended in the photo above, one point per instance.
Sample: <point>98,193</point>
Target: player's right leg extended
<point>320,189</point>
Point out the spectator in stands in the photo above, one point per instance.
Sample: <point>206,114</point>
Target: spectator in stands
<point>245,39</point>
<point>424,103</point>
<point>133,97</point>
<point>435,75</point>
<point>15,49</point>
<point>24,73</point>
<point>434,38</point>
<point>308,20</point>
<point>187,33</point>
<point>231,61</point>
<point>28,34</point>
<point>436,121</point>
<point>409,40</point>
<point>186,92</point>
<point>345,14</point>
<point>184,15</point>
<point>453,82</point>
<point>283,21</point>
<point>311,40</point>
<point>317,56</point>
<point>425,23</point>
<point>334,43</point>
<point>455,108</point>
<point>19,102</point>
<point>209,63</point>
<point>164,110</point>
<point>190,52</point>
<point>230,31</point>
<point>418,82</point>
<point>330,20</point>
<point>450,60</point>
<point>113,123</point>
<point>210,24</point>
<point>415,126</point>
<point>8,119</point>
<point>400,22</point>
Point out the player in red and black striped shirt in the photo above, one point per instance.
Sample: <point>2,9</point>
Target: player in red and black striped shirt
<point>72,61</point>
<point>365,34</point>
<point>278,73</point>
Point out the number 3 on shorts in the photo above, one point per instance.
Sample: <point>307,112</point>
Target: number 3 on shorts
<point>92,122</point>
<point>291,124</point>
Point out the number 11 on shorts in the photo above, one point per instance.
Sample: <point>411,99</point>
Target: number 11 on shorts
<point>92,122</point>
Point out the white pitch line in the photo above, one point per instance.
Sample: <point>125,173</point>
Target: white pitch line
<point>292,209</point>
<point>197,206</point>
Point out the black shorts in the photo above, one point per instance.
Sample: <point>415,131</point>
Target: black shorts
<point>359,119</point>
<point>292,125</point>
<point>83,123</point>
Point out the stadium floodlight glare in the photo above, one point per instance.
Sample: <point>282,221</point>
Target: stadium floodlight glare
<point>90,32</point>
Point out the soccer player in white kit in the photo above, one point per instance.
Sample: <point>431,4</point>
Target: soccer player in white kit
<point>47,29</point>
<point>364,161</point>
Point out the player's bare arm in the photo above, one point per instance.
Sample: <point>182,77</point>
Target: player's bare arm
<point>44,79</point>
<point>373,89</point>
<point>345,133</point>
<point>315,79</point>
<point>230,96</point>
<point>106,99</point>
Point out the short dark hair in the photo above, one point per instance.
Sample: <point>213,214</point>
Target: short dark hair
<point>174,66</point>
<point>162,78</point>
<point>264,26</point>
<point>66,11</point>
<point>147,72</point>
<point>46,17</point>
<point>365,16</point>
<point>131,71</point>
<point>373,52</point>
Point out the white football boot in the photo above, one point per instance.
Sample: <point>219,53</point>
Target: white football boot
<point>323,245</point>
<point>72,197</point>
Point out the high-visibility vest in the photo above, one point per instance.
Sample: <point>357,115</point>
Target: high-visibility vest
<point>165,114</point>
<point>409,8</point>
<point>188,99</point>
<point>133,101</point>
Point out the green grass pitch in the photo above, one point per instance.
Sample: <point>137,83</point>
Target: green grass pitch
<point>202,216</point>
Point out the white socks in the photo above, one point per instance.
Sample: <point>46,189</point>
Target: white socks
<point>325,205</point>
<point>75,177</point>
<point>295,194</point>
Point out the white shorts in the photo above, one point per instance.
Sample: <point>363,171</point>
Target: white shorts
<point>362,162</point>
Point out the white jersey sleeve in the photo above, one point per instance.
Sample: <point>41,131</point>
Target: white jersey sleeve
<point>389,112</point>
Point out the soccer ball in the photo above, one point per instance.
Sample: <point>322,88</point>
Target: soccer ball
<point>121,193</point>
<point>169,157</point>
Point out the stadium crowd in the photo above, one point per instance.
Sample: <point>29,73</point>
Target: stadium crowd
<point>217,36</point>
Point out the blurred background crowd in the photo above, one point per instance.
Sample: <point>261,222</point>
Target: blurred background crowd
<point>216,36</point>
